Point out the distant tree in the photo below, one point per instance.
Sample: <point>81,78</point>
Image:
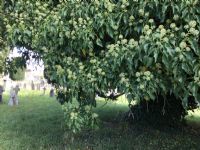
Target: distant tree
<point>19,75</point>
<point>17,69</point>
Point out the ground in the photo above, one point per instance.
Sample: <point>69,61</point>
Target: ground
<point>37,123</point>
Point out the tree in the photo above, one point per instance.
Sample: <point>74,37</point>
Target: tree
<point>17,69</point>
<point>3,45</point>
<point>145,49</point>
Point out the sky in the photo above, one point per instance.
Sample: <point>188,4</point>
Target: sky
<point>31,64</point>
<point>36,69</point>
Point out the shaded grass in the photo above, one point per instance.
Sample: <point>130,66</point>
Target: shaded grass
<point>37,123</point>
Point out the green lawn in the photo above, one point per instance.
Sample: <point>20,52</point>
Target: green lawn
<point>37,123</point>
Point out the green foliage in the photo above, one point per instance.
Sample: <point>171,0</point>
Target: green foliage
<point>17,69</point>
<point>17,75</point>
<point>142,48</point>
<point>79,118</point>
<point>3,44</point>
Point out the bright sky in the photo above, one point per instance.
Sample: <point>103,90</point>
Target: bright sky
<point>31,64</point>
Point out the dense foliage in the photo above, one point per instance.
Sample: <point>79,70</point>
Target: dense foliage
<point>79,118</point>
<point>16,68</point>
<point>141,48</point>
<point>3,46</point>
<point>18,75</point>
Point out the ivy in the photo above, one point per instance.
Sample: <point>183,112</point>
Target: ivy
<point>138,47</point>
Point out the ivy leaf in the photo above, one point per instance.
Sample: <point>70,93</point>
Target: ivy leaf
<point>99,42</point>
<point>185,99</point>
<point>165,61</point>
<point>147,61</point>
<point>84,52</point>
<point>195,47</point>
<point>109,31</point>
<point>186,68</point>
<point>155,56</point>
<point>129,97</point>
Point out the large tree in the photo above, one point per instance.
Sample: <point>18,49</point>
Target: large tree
<point>3,45</point>
<point>145,49</point>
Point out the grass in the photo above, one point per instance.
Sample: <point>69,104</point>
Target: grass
<point>194,118</point>
<point>37,123</point>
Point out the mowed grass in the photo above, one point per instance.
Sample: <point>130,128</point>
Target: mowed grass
<point>37,123</point>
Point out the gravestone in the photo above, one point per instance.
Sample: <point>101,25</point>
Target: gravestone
<point>32,85</point>
<point>42,83</point>
<point>17,89</point>
<point>24,86</point>
<point>4,84</point>
<point>1,93</point>
<point>52,94</point>
<point>13,96</point>
<point>38,87</point>
<point>44,90</point>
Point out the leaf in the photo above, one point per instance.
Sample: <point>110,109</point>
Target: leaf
<point>186,68</point>
<point>165,61</point>
<point>99,42</point>
<point>195,47</point>
<point>84,52</point>
<point>125,19</point>
<point>109,31</point>
<point>146,47</point>
<point>130,98</point>
<point>185,99</point>
<point>147,61</point>
<point>169,49</point>
<point>194,90</point>
<point>27,32</point>
<point>151,95</point>
<point>155,56</point>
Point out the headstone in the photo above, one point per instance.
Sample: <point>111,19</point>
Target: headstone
<point>20,85</point>
<point>13,97</point>
<point>17,89</point>
<point>32,86</point>
<point>44,90</point>
<point>24,86</point>
<point>38,87</point>
<point>42,83</point>
<point>4,84</point>
<point>52,92</point>
<point>1,93</point>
